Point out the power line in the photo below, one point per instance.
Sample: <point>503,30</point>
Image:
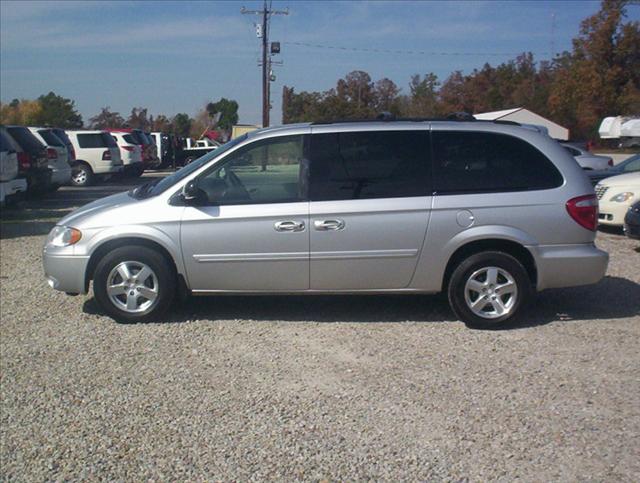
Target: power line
<point>400,51</point>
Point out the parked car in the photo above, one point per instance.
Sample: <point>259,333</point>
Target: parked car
<point>11,186</point>
<point>130,152</point>
<point>149,157</point>
<point>71,154</point>
<point>32,159</point>
<point>615,195</point>
<point>97,154</point>
<point>57,156</point>
<point>588,160</point>
<point>629,165</point>
<point>164,147</point>
<point>632,221</point>
<point>496,213</point>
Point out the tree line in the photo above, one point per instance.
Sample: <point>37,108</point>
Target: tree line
<point>600,77</point>
<point>54,110</point>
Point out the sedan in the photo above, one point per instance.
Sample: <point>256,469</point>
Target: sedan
<point>587,160</point>
<point>629,165</point>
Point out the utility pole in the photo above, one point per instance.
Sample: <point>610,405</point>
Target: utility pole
<point>262,31</point>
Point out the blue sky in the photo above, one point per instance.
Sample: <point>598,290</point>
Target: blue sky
<point>175,56</point>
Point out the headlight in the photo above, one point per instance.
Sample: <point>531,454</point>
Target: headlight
<point>622,197</point>
<point>63,236</point>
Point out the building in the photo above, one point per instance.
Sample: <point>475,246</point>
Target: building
<point>525,116</point>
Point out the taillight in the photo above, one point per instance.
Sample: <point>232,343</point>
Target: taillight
<point>24,160</point>
<point>106,156</point>
<point>584,211</point>
<point>52,153</point>
<point>127,148</point>
<point>610,162</point>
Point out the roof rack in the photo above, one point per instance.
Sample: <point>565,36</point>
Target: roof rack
<point>388,117</point>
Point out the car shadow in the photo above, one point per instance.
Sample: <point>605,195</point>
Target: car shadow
<point>612,298</point>
<point>34,217</point>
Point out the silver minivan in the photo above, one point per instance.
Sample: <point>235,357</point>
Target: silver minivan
<point>489,212</point>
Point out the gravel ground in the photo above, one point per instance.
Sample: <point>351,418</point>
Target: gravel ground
<point>314,388</point>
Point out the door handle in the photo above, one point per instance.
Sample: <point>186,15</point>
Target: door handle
<point>328,225</point>
<point>289,225</point>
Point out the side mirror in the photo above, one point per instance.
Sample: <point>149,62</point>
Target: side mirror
<point>191,193</point>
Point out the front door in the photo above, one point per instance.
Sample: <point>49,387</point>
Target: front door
<point>251,233</point>
<point>370,206</point>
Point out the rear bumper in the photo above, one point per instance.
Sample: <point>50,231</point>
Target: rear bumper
<point>61,176</point>
<point>12,187</point>
<point>65,272</point>
<point>569,265</point>
<point>107,167</point>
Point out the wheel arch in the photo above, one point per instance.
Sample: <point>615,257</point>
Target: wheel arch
<point>127,241</point>
<point>513,248</point>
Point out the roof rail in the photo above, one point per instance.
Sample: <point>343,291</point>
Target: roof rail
<point>388,117</point>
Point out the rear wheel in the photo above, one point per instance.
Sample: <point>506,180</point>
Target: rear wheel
<point>134,284</point>
<point>488,290</point>
<point>82,175</point>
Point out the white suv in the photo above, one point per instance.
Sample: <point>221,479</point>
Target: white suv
<point>57,156</point>
<point>130,152</point>
<point>96,154</point>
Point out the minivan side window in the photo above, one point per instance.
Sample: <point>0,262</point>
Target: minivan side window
<point>267,171</point>
<point>369,164</point>
<point>476,162</point>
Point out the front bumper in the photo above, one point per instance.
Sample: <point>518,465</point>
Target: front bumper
<point>65,272</point>
<point>569,265</point>
<point>612,213</point>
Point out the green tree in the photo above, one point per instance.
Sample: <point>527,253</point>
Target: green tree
<point>227,110</point>
<point>181,125</point>
<point>58,111</point>
<point>106,119</point>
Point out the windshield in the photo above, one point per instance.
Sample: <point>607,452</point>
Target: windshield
<point>154,188</point>
<point>632,164</point>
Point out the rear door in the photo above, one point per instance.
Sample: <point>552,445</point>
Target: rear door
<point>370,200</point>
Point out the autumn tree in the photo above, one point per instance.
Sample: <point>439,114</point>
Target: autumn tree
<point>139,119</point>
<point>22,112</point>
<point>106,119</point>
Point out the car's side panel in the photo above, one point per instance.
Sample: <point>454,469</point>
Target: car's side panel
<point>377,248</point>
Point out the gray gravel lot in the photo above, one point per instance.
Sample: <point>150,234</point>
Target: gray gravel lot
<point>313,388</point>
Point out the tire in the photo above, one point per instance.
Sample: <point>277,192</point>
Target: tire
<point>128,304</point>
<point>486,271</point>
<point>82,175</point>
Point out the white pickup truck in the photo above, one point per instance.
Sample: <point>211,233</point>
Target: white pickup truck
<point>193,150</point>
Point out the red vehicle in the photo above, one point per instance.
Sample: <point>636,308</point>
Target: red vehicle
<point>149,154</point>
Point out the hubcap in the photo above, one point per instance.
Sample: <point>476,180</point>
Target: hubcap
<point>132,287</point>
<point>491,292</point>
<point>79,177</point>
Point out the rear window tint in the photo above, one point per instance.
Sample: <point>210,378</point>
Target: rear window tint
<point>96,140</point>
<point>109,140</point>
<point>5,143</point>
<point>129,139</point>
<point>50,138</point>
<point>27,141</point>
<point>473,162</point>
<point>62,136</point>
<point>369,164</point>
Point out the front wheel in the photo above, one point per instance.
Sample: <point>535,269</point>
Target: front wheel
<point>488,290</point>
<point>134,284</point>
